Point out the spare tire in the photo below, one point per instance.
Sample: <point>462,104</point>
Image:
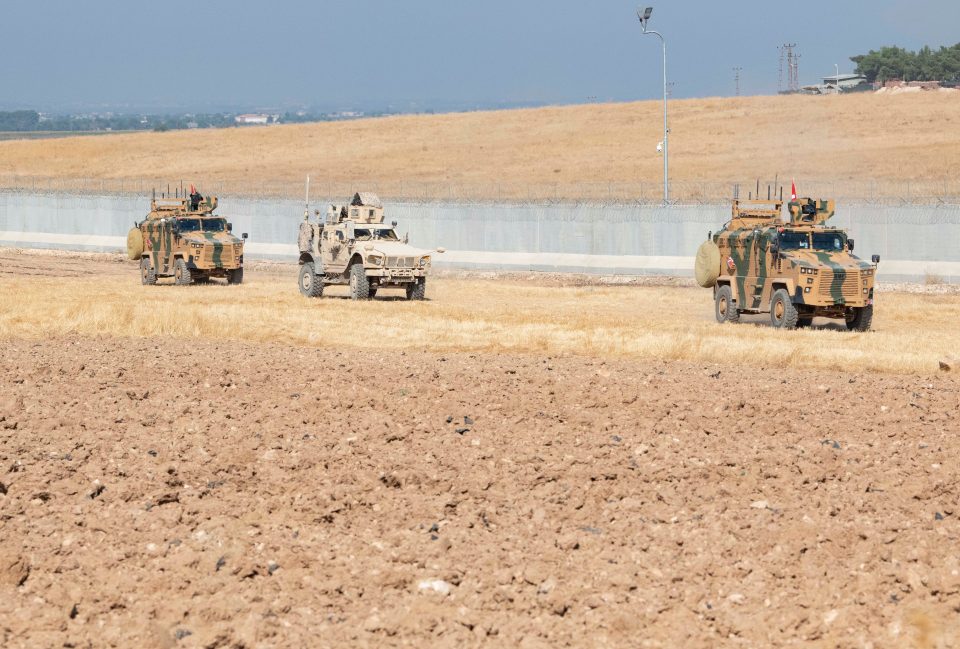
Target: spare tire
<point>707,267</point>
<point>134,243</point>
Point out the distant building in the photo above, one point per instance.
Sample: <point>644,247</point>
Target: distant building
<point>839,83</point>
<point>251,119</point>
<point>843,82</point>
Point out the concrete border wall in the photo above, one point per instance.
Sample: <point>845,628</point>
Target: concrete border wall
<point>914,242</point>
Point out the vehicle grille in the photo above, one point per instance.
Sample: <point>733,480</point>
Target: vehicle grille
<point>227,256</point>
<point>849,288</point>
<point>400,262</point>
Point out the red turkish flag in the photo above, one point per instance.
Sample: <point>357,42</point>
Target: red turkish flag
<point>793,190</point>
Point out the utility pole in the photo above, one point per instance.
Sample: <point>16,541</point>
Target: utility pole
<point>644,16</point>
<point>736,78</point>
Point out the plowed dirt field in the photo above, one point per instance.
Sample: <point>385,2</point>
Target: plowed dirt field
<point>171,492</point>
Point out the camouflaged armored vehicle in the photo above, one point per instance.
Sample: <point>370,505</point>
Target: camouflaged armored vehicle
<point>795,270</point>
<point>183,239</point>
<point>355,247</point>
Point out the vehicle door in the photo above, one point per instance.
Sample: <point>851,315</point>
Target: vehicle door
<point>334,249</point>
<point>166,245</point>
<point>762,265</point>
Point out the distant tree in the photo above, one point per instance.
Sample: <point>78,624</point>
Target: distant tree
<point>19,120</point>
<point>898,63</point>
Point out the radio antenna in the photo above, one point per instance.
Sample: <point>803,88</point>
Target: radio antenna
<point>306,202</point>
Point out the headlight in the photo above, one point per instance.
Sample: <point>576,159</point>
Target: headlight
<point>424,262</point>
<point>376,260</point>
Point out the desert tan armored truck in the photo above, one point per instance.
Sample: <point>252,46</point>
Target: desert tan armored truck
<point>795,270</point>
<point>355,247</point>
<point>183,239</point>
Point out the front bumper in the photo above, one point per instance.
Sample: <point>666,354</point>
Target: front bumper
<point>396,275</point>
<point>205,263</point>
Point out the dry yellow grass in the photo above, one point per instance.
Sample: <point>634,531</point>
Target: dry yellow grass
<point>890,138</point>
<point>490,316</point>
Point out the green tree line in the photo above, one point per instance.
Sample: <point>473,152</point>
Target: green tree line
<point>19,120</point>
<point>926,64</point>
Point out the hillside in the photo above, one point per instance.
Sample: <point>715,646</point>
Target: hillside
<point>861,144</point>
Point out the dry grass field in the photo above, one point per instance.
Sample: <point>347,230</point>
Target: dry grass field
<point>39,299</point>
<point>504,465</point>
<point>847,140</point>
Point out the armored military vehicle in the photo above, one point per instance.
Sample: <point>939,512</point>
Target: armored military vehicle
<point>355,247</point>
<point>795,270</point>
<point>183,239</point>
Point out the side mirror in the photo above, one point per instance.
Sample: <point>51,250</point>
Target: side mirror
<point>850,244</point>
<point>229,227</point>
<point>244,235</point>
<point>406,238</point>
<point>393,223</point>
<point>875,259</point>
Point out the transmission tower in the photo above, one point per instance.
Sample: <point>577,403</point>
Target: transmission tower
<point>795,73</point>
<point>736,78</point>
<point>790,59</point>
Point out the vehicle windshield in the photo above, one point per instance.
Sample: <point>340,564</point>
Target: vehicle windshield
<point>794,241</point>
<point>206,225</point>
<point>383,234</point>
<point>833,241</point>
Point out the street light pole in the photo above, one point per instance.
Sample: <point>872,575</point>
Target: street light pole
<point>644,16</point>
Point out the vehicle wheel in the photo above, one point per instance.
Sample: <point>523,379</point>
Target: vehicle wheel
<point>359,283</point>
<point>311,284</point>
<point>418,289</point>
<point>725,307</point>
<point>860,319</point>
<point>783,314</point>
<point>181,274</point>
<point>148,276</point>
<point>235,276</point>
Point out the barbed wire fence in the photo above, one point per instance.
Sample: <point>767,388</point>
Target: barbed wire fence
<point>931,191</point>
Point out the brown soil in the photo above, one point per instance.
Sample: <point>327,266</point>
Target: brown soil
<point>164,493</point>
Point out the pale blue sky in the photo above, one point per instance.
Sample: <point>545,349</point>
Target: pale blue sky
<point>429,53</point>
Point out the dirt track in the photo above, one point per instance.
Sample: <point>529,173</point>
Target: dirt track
<point>166,493</point>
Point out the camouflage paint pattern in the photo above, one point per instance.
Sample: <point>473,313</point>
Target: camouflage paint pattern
<point>820,282</point>
<point>387,260</point>
<point>206,253</point>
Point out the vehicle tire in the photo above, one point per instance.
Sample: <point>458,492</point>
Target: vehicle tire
<point>724,306</point>
<point>860,318</point>
<point>181,274</point>
<point>148,276</point>
<point>418,289</point>
<point>783,313</point>
<point>235,276</point>
<point>359,283</point>
<point>311,284</point>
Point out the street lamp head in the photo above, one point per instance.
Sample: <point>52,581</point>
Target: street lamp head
<point>644,15</point>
